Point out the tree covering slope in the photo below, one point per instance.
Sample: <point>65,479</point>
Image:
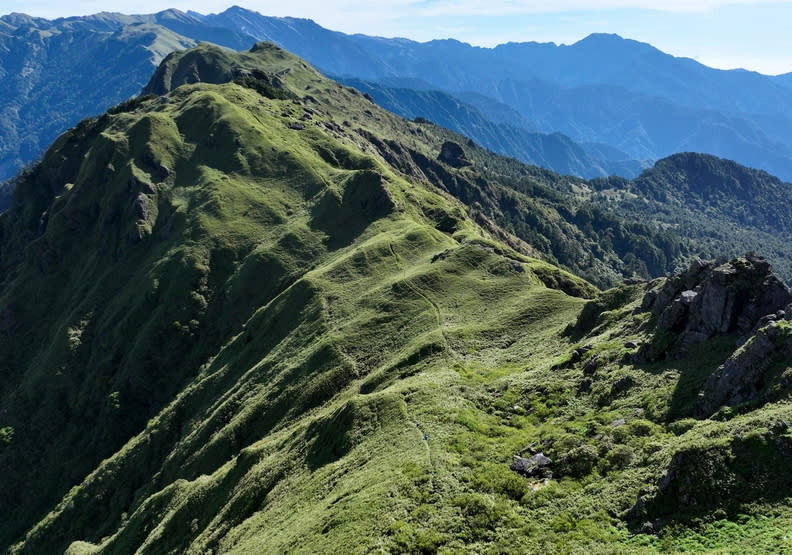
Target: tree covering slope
<point>726,208</point>
<point>262,315</point>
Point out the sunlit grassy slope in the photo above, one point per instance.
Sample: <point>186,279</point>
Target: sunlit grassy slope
<point>232,320</point>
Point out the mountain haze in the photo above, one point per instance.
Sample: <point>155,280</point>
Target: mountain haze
<point>55,73</point>
<point>36,111</point>
<point>602,89</point>
<point>602,106</point>
<point>554,151</point>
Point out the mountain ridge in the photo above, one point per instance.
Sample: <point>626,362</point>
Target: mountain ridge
<point>701,101</point>
<point>142,215</point>
<point>553,150</point>
<point>266,314</point>
<point>34,106</point>
<point>189,29</point>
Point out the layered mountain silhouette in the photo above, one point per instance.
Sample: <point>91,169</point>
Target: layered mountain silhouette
<point>602,106</point>
<point>55,73</point>
<point>549,150</point>
<point>602,89</point>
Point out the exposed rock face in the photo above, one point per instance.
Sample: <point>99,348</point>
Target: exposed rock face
<point>713,298</point>
<point>536,466</point>
<point>453,155</point>
<point>742,377</point>
<point>140,207</point>
<point>741,296</point>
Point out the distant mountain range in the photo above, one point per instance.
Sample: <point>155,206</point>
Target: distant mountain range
<point>601,106</point>
<point>602,89</point>
<point>55,73</point>
<point>549,150</point>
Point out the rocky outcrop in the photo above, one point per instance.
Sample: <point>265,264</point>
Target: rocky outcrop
<point>713,298</point>
<point>740,296</point>
<point>453,155</point>
<point>536,466</point>
<point>744,375</point>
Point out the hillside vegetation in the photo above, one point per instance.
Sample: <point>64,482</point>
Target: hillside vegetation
<point>725,208</point>
<point>603,89</point>
<point>251,311</point>
<point>53,73</point>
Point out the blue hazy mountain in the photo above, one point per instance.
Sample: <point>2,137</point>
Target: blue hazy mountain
<point>602,89</point>
<point>55,73</point>
<point>602,105</point>
<point>549,150</point>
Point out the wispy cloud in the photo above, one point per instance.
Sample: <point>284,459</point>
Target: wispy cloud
<point>383,9</point>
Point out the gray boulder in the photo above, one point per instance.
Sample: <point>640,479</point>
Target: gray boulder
<point>536,466</point>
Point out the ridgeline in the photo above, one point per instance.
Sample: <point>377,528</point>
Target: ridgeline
<point>252,311</point>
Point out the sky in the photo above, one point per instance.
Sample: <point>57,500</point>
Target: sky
<point>755,35</point>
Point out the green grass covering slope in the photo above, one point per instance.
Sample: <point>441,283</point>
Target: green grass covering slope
<point>233,320</point>
<point>201,244</point>
<point>539,210</point>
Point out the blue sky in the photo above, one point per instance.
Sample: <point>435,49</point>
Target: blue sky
<point>724,34</point>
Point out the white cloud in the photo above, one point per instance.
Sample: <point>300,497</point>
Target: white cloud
<point>506,7</point>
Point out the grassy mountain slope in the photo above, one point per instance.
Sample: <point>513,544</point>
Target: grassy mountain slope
<point>55,73</point>
<point>602,89</point>
<point>553,151</point>
<point>160,240</point>
<point>537,207</point>
<point>234,320</point>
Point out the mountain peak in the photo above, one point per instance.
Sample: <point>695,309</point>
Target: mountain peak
<point>17,19</point>
<point>236,11</point>
<point>612,42</point>
<point>603,38</point>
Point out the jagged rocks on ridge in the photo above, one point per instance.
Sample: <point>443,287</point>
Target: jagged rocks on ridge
<point>713,298</point>
<point>742,297</point>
